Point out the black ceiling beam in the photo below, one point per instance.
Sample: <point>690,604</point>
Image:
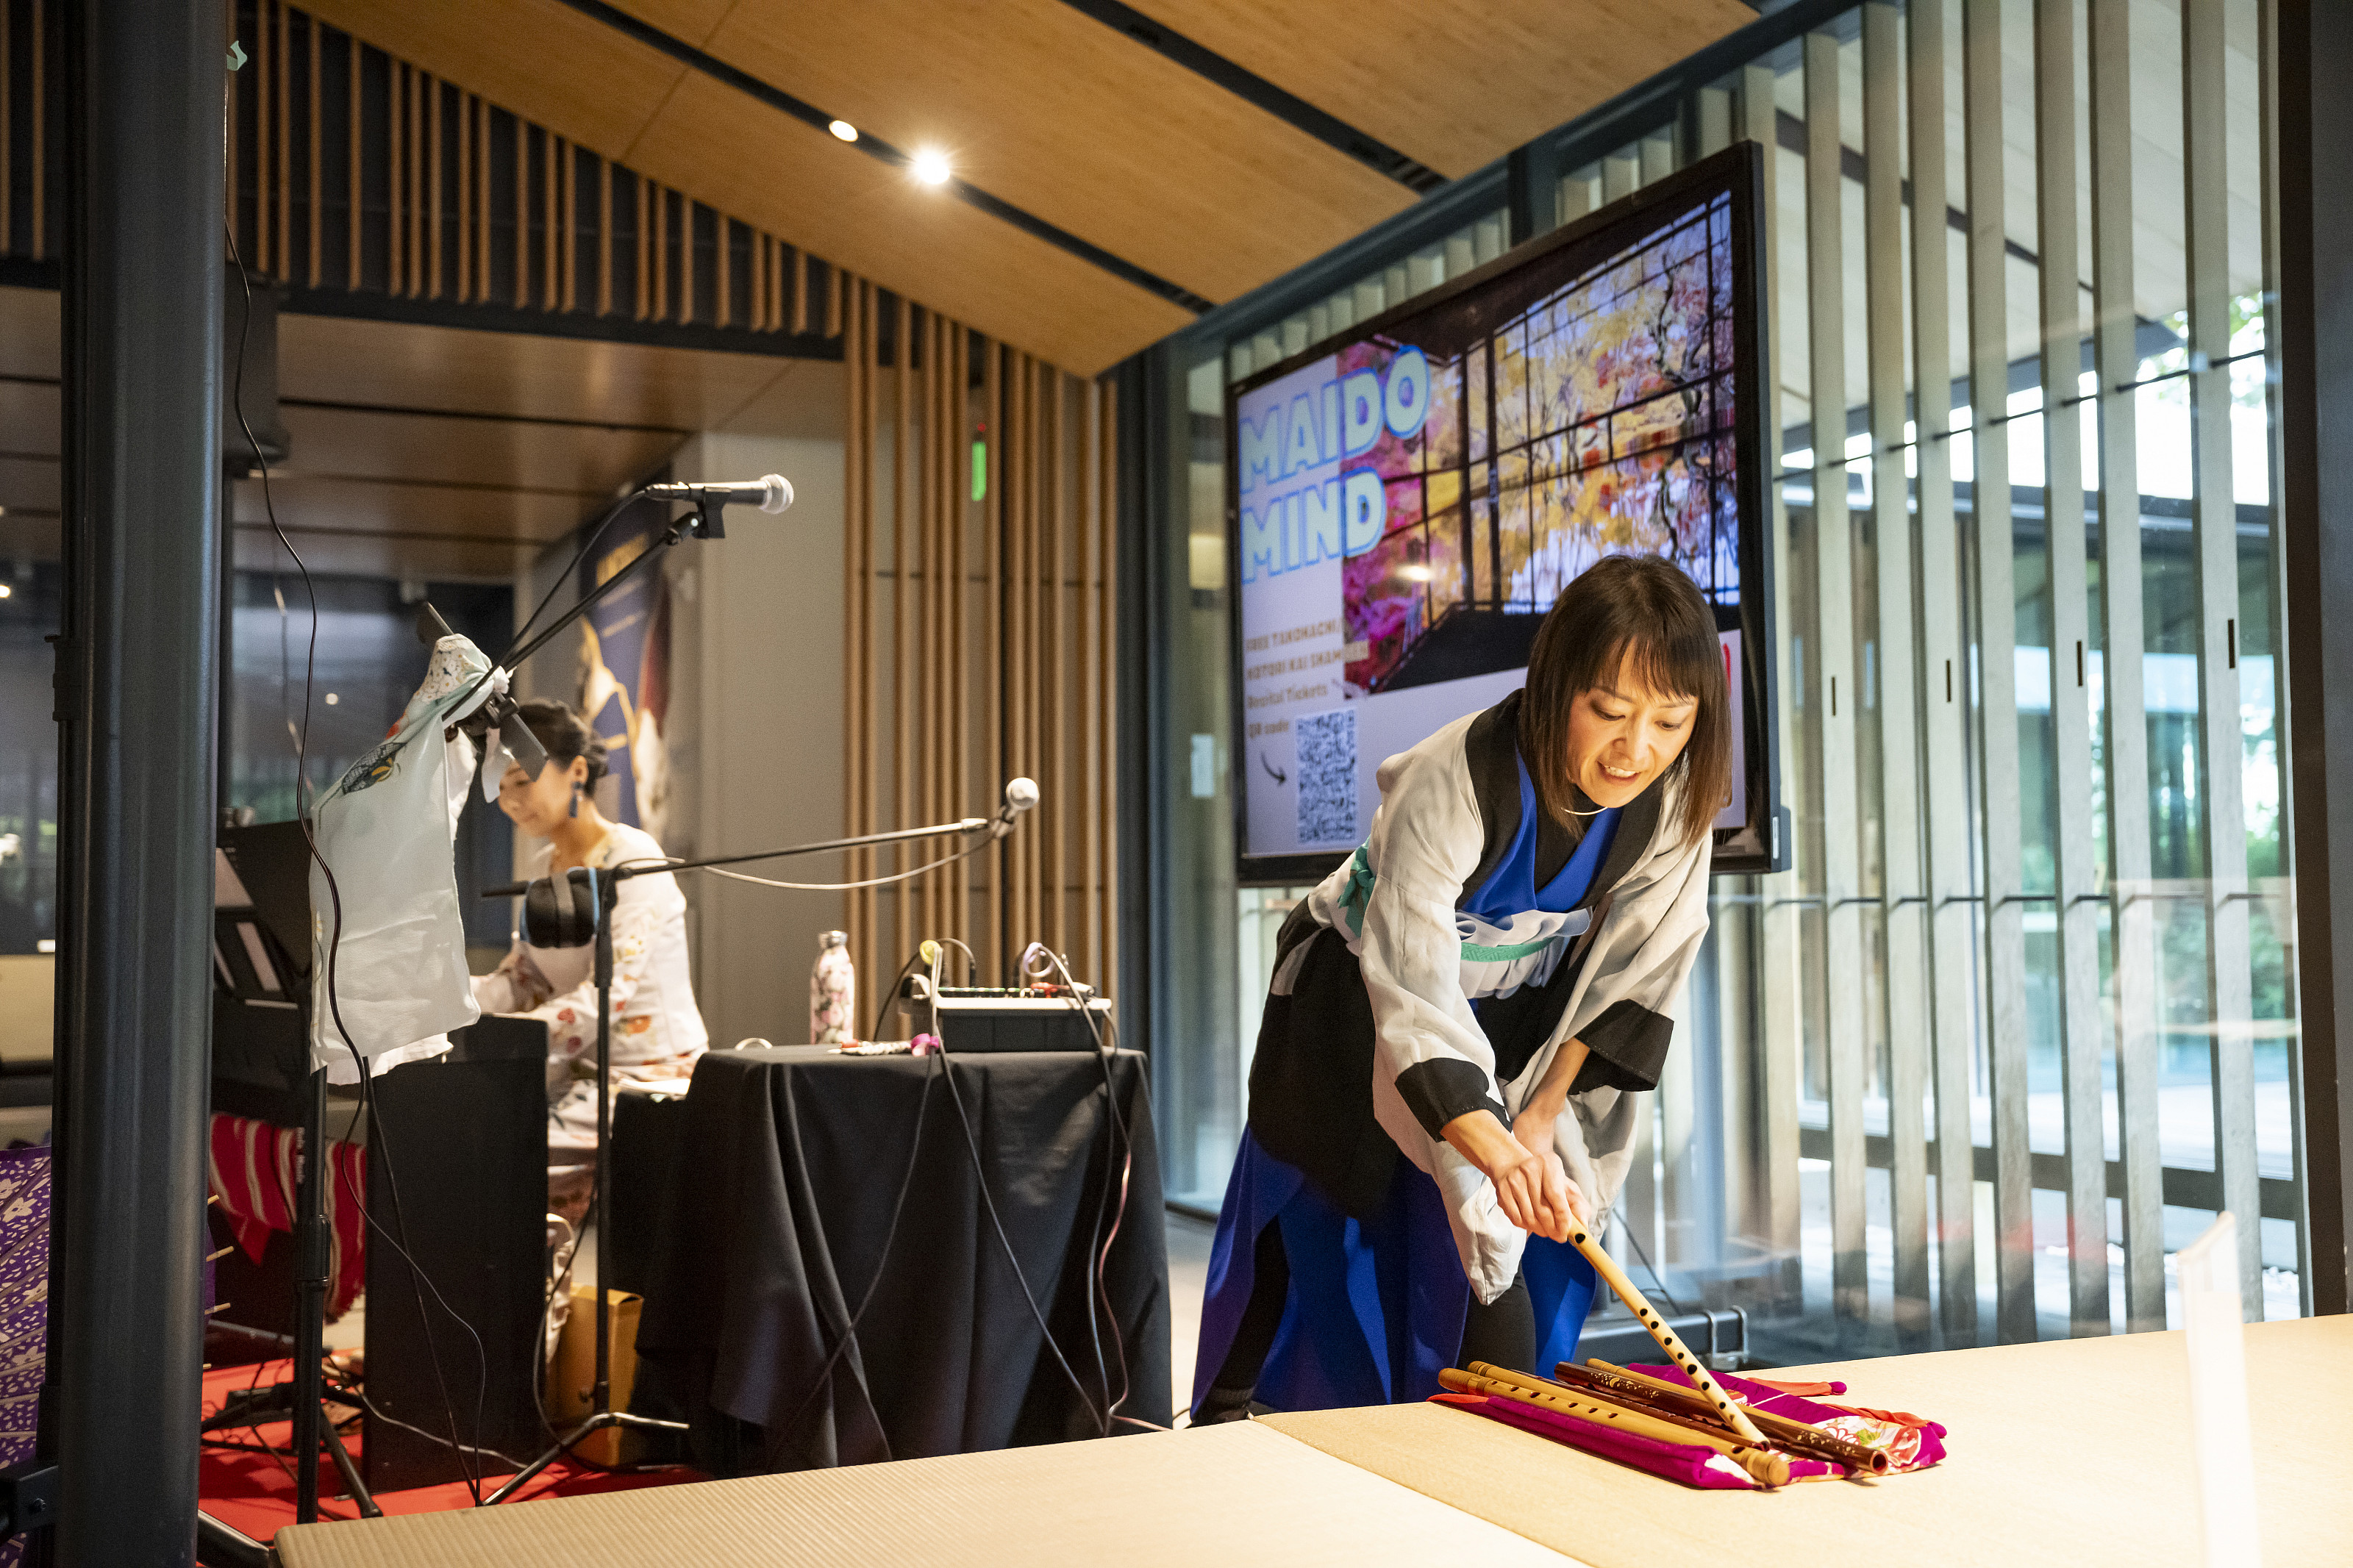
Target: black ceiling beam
<point>1260,93</point>
<point>874,147</point>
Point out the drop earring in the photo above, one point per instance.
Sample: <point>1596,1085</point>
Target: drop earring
<point>575,797</point>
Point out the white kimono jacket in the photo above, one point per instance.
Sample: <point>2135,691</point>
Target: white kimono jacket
<point>1398,904</point>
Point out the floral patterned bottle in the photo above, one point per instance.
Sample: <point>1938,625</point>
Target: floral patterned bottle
<point>833,992</point>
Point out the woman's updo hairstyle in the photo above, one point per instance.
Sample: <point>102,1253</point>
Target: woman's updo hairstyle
<point>562,734</point>
<point>1639,610</point>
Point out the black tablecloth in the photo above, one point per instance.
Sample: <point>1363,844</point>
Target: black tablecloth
<point>790,1162</point>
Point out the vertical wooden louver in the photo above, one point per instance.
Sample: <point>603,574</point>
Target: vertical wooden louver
<point>352,170</point>
<point>979,628</point>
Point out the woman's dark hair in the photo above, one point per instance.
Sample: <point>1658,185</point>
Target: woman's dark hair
<point>562,734</point>
<point>1642,609</point>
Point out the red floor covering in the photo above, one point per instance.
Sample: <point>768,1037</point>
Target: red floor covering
<point>255,1493</point>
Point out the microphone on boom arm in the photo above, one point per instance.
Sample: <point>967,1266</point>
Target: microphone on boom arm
<point>771,495</point>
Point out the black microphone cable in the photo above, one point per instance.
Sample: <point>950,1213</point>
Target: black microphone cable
<point>1121,1143</point>
<point>980,1179</point>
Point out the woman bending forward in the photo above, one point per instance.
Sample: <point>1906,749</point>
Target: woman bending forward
<point>1463,1016</point>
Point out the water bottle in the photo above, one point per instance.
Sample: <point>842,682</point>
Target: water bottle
<point>833,992</point>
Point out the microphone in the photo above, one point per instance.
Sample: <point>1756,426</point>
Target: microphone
<point>1020,795</point>
<point>771,495</point>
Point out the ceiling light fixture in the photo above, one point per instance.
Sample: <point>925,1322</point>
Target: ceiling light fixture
<point>844,129</point>
<point>931,167</point>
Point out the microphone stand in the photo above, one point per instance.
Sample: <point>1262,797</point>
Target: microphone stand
<point>606,888</point>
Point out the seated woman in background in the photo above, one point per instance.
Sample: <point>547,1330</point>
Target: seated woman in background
<point>657,1030</point>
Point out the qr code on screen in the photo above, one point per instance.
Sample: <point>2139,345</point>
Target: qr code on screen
<point>1328,776</point>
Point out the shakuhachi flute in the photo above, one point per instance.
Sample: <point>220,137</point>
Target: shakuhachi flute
<point>1771,1468</point>
<point>1732,1415</point>
<point>1702,1421</point>
<point>1783,1431</point>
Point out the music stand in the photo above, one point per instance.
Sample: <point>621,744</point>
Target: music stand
<point>265,870</point>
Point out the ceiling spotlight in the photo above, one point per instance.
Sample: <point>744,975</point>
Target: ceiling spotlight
<point>931,167</point>
<point>844,129</point>
<point>5,590</point>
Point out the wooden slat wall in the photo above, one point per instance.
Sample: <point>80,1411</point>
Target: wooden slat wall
<point>351,169</point>
<point>979,638</point>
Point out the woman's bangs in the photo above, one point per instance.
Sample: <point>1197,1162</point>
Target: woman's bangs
<point>1680,668</point>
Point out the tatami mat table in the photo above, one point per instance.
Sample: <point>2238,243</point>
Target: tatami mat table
<point>2073,1452</point>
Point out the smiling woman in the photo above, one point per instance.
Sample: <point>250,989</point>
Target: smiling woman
<point>1484,987</point>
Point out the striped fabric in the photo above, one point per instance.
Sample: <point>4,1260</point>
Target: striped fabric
<point>254,1167</point>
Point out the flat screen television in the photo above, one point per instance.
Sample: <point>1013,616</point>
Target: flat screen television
<point>1406,500</point>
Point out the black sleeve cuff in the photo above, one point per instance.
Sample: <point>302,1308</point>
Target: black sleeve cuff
<point>1624,1046</point>
<point>1443,1088</point>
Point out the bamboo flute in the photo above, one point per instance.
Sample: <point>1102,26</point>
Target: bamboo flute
<point>1702,1421</point>
<point>1783,1431</point>
<point>1581,1238</point>
<point>1771,1468</point>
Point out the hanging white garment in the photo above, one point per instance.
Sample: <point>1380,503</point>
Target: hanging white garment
<point>388,941</point>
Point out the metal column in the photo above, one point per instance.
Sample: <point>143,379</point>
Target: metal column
<point>142,403</point>
<point>2315,355</point>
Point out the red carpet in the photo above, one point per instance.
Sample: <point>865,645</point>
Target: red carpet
<point>255,1493</point>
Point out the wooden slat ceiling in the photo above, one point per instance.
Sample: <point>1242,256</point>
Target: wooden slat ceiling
<point>424,452</point>
<point>1454,86</point>
<point>1047,109</point>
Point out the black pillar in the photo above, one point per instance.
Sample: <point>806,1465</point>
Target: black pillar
<point>142,337</point>
<point>1532,189</point>
<point>2315,314</point>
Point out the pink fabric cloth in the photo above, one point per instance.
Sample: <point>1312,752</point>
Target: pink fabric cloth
<point>1690,1466</point>
<point>1911,1443</point>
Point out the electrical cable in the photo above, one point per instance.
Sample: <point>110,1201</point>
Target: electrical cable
<point>309,839</point>
<point>809,886</point>
<point>1117,1123</point>
<point>1618,1213</point>
<point>596,532</point>
<point>890,1233</point>
<point>980,1179</point>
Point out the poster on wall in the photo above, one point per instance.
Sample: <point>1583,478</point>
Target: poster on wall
<point>1409,497</point>
<point>625,681</point>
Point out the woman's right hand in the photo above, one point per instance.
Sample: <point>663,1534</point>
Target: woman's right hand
<point>1534,1190</point>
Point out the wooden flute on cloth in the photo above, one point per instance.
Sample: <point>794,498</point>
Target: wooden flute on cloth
<point>1726,1411</point>
<point>1781,1430</point>
<point>1770,1469</point>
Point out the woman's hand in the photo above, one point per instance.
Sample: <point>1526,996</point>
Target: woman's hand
<point>1534,1190</point>
<point>1533,1130</point>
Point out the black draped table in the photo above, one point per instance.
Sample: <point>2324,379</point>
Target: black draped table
<point>776,1179</point>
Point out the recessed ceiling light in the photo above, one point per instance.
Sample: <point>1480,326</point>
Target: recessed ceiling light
<point>5,590</point>
<point>844,129</point>
<point>332,699</point>
<point>932,167</point>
